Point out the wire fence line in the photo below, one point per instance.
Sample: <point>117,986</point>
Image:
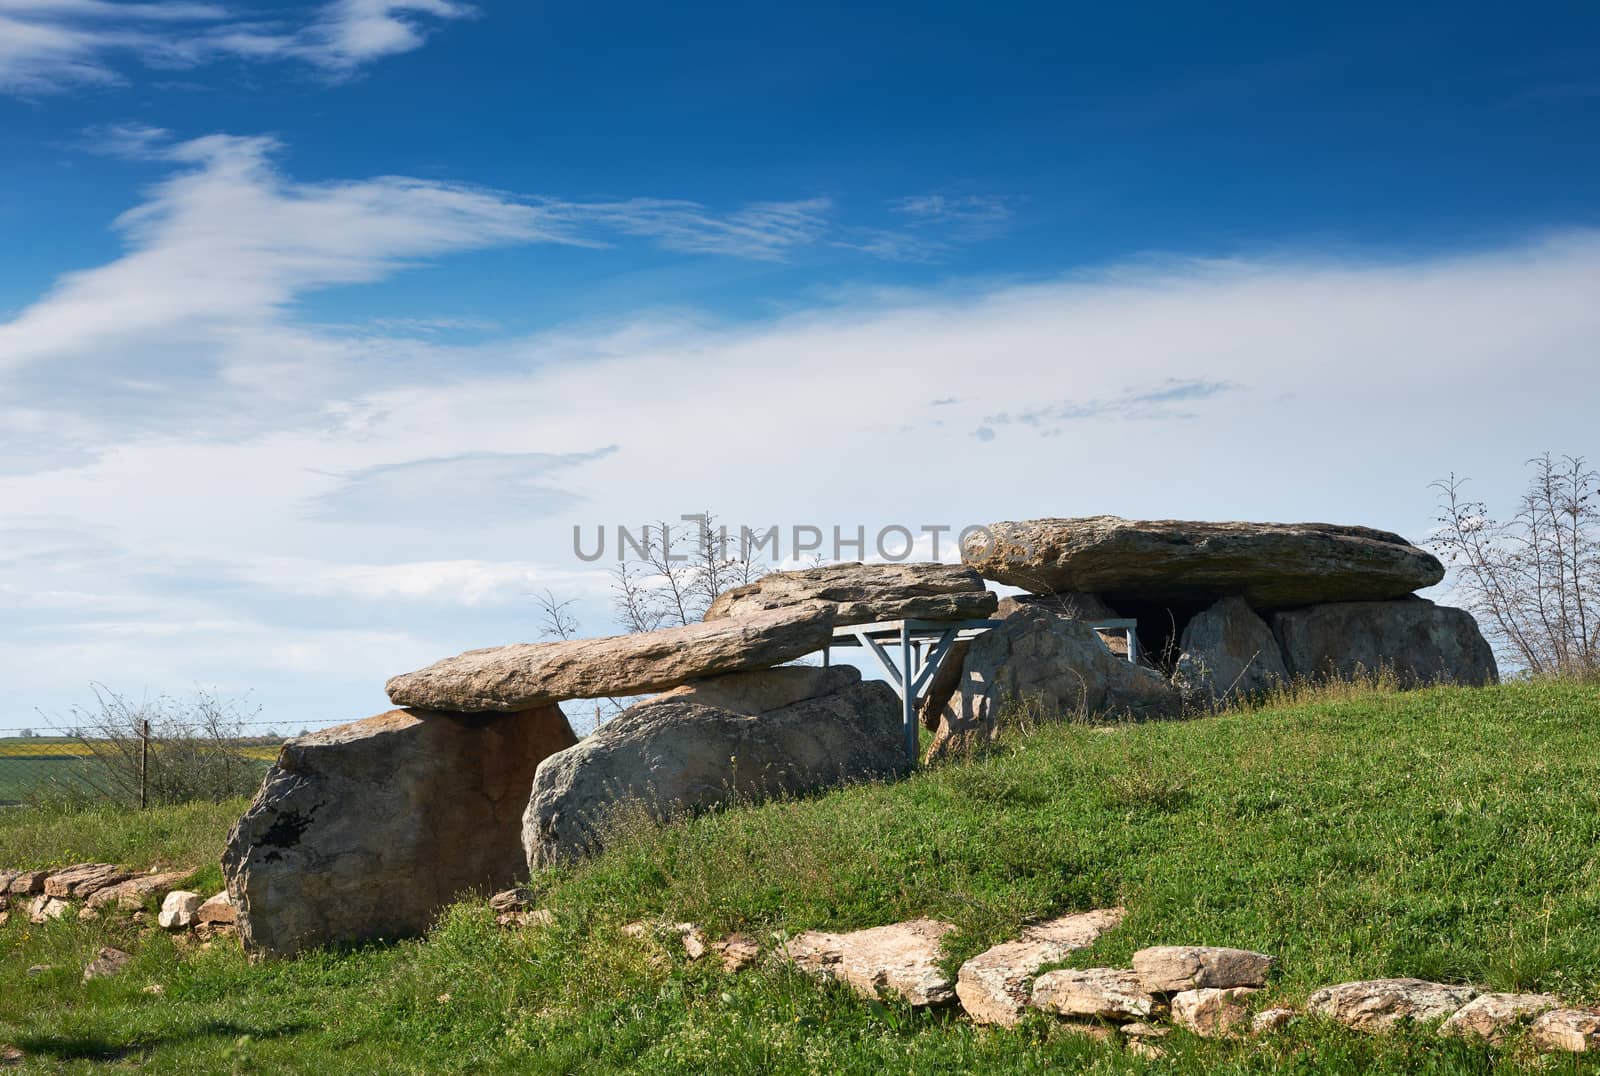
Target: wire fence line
<point>139,762</point>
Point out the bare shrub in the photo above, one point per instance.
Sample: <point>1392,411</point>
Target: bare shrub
<point>678,573</point>
<point>164,751</point>
<point>1533,580</point>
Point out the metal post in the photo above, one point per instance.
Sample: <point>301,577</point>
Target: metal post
<point>908,693</point>
<point>144,763</point>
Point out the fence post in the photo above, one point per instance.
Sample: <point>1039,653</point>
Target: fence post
<point>144,762</point>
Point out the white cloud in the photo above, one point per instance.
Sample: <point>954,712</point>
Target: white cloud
<point>49,46</point>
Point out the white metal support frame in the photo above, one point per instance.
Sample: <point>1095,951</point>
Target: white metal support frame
<point>922,645</point>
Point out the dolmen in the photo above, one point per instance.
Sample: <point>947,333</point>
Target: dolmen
<point>365,831</point>
<point>1223,610</point>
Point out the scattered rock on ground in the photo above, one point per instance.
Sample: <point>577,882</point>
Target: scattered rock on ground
<point>107,963</point>
<point>43,909</point>
<point>993,986</point>
<point>738,951</point>
<point>1270,565</point>
<point>1168,968</point>
<point>83,880</point>
<point>1421,642</point>
<point>1213,1013</point>
<point>1228,652</point>
<point>673,755</point>
<point>11,1055</point>
<point>218,909</point>
<point>1058,664</point>
<point>1379,1004</point>
<point>526,675</point>
<point>900,959</point>
<point>1103,993</point>
<point>135,891</point>
<point>865,593</point>
<point>1490,1017</point>
<point>519,899</point>
<point>1573,1031</point>
<point>179,909</point>
<point>27,883</point>
<point>1269,1020</point>
<point>367,830</point>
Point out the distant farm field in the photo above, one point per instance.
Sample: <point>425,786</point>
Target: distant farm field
<point>35,767</point>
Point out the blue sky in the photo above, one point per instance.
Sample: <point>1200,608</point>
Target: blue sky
<point>322,324</point>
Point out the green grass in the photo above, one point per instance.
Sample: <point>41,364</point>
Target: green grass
<point>1446,834</point>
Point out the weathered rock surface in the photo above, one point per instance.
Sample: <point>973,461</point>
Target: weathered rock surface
<point>527,675</point>
<point>865,593</point>
<point>993,986</point>
<point>217,909</point>
<point>1103,993</point>
<point>107,962</point>
<point>1169,968</point>
<point>178,910</point>
<point>899,959</point>
<point>1491,1017</point>
<point>1270,565</point>
<point>27,883</point>
<point>136,890</point>
<point>366,830</point>
<point>1269,1020</point>
<point>738,951</point>
<point>1422,642</point>
<point>673,755</point>
<point>1380,1004</point>
<point>1058,665</point>
<point>43,909</point>
<point>81,881</point>
<point>1213,1013</point>
<point>1074,605</point>
<point>1227,652</point>
<point>1573,1031</point>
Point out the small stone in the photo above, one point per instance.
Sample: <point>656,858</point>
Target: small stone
<point>178,910</point>
<point>519,899</point>
<point>1212,1013</point>
<point>44,909</point>
<point>217,910</point>
<point>738,952</point>
<point>155,989</point>
<point>1141,1030</point>
<point>993,986</point>
<point>901,959</point>
<point>694,942</point>
<point>1171,968</point>
<point>1491,1017</point>
<point>84,879</point>
<point>637,929</point>
<point>1573,1031</point>
<point>27,883</point>
<point>39,969</point>
<point>1380,1004</point>
<point>108,963</point>
<point>1270,1020</point>
<point>4,918</point>
<point>1106,993</point>
<point>10,1055</point>
<point>1147,1050</point>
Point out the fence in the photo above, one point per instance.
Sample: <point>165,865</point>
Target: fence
<point>136,766</point>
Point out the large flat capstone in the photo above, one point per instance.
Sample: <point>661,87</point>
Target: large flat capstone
<point>526,675</point>
<point>1270,565</point>
<point>865,593</point>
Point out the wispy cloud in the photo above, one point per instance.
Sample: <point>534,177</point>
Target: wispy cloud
<point>971,210</point>
<point>762,230</point>
<point>50,46</point>
<point>1162,401</point>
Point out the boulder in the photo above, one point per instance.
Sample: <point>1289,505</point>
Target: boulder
<point>528,675</point>
<point>136,890</point>
<point>1380,1004</point>
<point>178,910</point>
<point>1103,993</point>
<point>864,593</point>
<point>1574,1031</point>
<point>1169,968</point>
<point>1491,1017</point>
<point>83,880</point>
<point>368,829</point>
<point>1228,652</point>
<point>901,959</point>
<point>782,731</point>
<point>1213,1013</point>
<point>43,909</point>
<point>993,986</point>
<point>1058,665</point>
<point>1270,565</point>
<point>1421,642</point>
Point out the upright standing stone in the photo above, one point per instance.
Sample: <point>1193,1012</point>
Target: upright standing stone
<point>1419,641</point>
<point>368,829</point>
<point>1228,652</point>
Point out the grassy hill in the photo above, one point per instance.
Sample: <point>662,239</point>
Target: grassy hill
<point>1446,834</point>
